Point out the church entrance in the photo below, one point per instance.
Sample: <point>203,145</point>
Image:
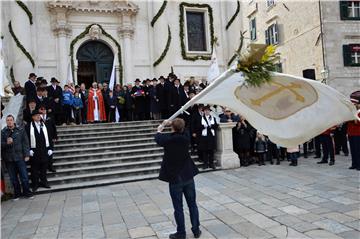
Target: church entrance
<point>95,61</point>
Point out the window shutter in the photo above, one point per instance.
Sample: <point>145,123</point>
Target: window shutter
<point>267,39</point>
<point>344,10</point>
<point>347,55</point>
<point>276,34</point>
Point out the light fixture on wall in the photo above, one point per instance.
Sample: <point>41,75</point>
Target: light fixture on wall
<point>324,75</point>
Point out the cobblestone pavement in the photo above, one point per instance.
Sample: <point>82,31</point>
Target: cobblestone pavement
<point>308,201</point>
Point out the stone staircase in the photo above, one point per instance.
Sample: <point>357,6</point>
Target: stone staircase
<point>101,154</point>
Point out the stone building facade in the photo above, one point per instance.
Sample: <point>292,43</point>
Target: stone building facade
<point>310,36</point>
<point>90,35</point>
<point>341,24</point>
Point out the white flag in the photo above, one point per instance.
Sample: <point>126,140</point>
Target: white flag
<point>3,77</point>
<point>112,77</point>
<point>70,78</point>
<point>117,115</point>
<point>290,110</point>
<point>214,67</point>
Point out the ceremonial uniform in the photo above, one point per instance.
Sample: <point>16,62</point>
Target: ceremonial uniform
<point>327,145</point>
<point>96,108</point>
<point>52,133</point>
<point>353,132</point>
<point>340,139</point>
<point>207,140</point>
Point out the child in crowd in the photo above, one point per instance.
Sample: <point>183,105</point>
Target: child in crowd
<point>293,154</point>
<point>77,107</point>
<point>67,103</point>
<point>260,148</point>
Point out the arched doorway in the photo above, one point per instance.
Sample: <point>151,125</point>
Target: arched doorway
<point>95,61</point>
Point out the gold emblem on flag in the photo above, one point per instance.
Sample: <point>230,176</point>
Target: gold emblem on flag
<point>279,99</point>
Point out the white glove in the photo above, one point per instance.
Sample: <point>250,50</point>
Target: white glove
<point>31,153</point>
<point>50,152</point>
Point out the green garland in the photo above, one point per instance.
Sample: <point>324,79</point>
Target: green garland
<point>27,54</point>
<point>12,77</point>
<point>158,14</point>
<point>238,51</point>
<point>83,34</point>
<point>26,9</point>
<point>182,34</point>
<point>163,54</point>
<point>234,16</point>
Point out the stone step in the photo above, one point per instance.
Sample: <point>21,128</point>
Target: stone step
<point>83,169</point>
<point>106,181</point>
<point>103,175</point>
<point>96,183</point>
<point>101,143</point>
<point>104,127</point>
<point>90,162</point>
<point>101,125</point>
<point>95,138</point>
<point>100,155</point>
<point>108,133</point>
<point>103,149</point>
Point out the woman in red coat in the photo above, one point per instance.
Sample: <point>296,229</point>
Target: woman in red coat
<point>354,134</point>
<point>96,107</point>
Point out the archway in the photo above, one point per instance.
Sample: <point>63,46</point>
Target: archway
<point>95,60</point>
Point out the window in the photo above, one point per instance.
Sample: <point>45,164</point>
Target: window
<point>270,3</point>
<point>196,31</point>
<point>351,54</point>
<point>354,9</point>
<point>350,10</point>
<point>253,29</point>
<point>272,35</point>
<point>278,67</point>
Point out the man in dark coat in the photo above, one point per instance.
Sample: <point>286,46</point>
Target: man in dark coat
<point>178,169</point>
<point>242,141</point>
<point>52,132</point>
<point>147,87</point>
<point>30,87</point>
<point>138,95</point>
<point>27,113</point>
<point>40,150</point>
<point>55,95</point>
<point>340,139</point>
<point>195,129</point>
<point>162,89</point>
<point>84,97</point>
<point>15,152</point>
<point>154,101</point>
<point>176,97</point>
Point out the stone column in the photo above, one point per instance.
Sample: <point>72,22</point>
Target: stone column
<point>225,155</point>
<point>22,30</point>
<point>62,30</point>
<point>126,33</point>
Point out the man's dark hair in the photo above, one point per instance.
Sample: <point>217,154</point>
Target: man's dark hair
<point>10,116</point>
<point>178,125</point>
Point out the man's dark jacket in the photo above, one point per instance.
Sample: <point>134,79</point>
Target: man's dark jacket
<point>177,165</point>
<point>20,147</point>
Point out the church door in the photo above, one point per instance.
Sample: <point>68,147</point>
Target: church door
<point>95,61</point>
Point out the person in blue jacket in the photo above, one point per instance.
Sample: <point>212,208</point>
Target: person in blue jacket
<point>77,107</point>
<point>67,104</point>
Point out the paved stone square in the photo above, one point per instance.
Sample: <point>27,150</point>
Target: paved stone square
<point>308,201</point>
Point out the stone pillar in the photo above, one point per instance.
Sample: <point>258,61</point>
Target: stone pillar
<point>62,30</point>
<point>126,33</point>
<point>225,155</point>
<point>22,30</point>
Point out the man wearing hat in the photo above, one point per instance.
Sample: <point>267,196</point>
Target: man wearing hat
<point>27,113</point>
<point>147,88</point>
<point>353,131</point>
<point>52,132</point>
<point>138,94</point>
<point>40,150</point>
<point>30,87</point>
<point>154,100</point>
<point>55,98</point>
<point>176,97</point>
<point>162,94</point>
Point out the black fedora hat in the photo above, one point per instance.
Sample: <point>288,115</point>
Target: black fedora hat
<point>137,80</point>
<point>53,79</point>
<point>32,75</point>
<point>35,112</point>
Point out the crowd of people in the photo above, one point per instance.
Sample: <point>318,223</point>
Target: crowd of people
<point>48,106</point>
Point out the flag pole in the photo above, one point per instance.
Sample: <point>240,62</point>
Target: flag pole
<point>215,83</point>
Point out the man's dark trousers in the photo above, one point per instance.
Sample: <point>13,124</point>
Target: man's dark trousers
<point>176,192</point>
<point>328,148</point>
<point>15,168</point>
<point>355,151</point>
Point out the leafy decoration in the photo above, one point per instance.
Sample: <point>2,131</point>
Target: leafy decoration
<point>18,44</point>
<point>83,34</point>
<point>159,13</point>
<point>157,62</point>
<point>26,9</point>
<point>234,16</point>
<point>182,33</point>
<point>12,77</point>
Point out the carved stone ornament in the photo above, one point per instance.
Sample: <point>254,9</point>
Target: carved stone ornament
<point>95,32</point>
